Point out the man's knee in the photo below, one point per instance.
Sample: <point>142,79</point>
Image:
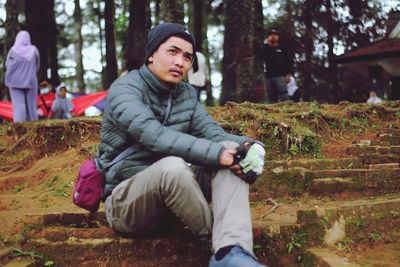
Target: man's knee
<point>175,171</point>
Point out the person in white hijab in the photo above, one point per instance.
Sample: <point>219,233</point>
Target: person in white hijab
<point>22,65</point>
<point>62,106</point>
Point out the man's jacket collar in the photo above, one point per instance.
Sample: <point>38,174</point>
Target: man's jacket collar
<point>155,85</point>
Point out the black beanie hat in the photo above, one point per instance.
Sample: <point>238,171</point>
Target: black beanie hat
<point>162,32</point>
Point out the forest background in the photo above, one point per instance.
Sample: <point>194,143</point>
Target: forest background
<point>88,43</point>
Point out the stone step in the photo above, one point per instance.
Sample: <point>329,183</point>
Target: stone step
<point>82,219</point>
<point>376,158</point>
<point>392,131</point>
<point>365,174</point>
<point>9,257</point>
<point>296,182</point>
<point>21,262</point>
<point>278,239</point>
<point>384,166</point>
<point>94,246</point>
<point>357,149</point>
<point>324,186</point>
<point>314,164</point>
<point>363,181</point>
<point>324,257</point>
<point>357,220</point>
<point>386,140</point>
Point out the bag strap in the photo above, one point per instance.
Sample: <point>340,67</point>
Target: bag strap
<point>129,150</point>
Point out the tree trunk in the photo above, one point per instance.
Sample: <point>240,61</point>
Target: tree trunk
<point>111,55</point>
<point>307,90</point>
<point>99,18</point>
<point>238,64</point>
<point>332,68</point>
<point>52,43</point>
<point>259,62</point>
<point>11,27</point>
<point>139,25</point>
<point>172,11</point>
<point>78,47</point>
<point>36,25</point>
<point>198,23</point>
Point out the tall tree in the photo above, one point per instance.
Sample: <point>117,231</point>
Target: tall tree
<point>36,25</point>
<point>139,25</point>
<point>332,67</point>
<point>197,21</point>
<point>172,11</point>
<point>40,23</point>
<point>78,45</point>
<point>238,64</point>
<point>307,39</point>
<point>99,17</point>
<point>11,27</point>
<point>11,23</point>
<point>259,34</point>
<point>52,43</point>
<point>111,55</point>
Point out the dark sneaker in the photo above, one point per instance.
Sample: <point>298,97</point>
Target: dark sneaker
<point>237,257</point>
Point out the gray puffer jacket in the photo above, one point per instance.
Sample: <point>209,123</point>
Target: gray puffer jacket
<point>136,116</point>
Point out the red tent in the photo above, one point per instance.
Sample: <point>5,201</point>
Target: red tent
<point>6,110</point>
<point>83,102</point>
<point>45,101</point>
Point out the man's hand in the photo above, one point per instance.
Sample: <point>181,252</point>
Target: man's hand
<point>237,170</point>
<point>227,157</point>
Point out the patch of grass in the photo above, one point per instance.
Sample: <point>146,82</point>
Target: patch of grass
<point>31,253</point>
<point>61,190</point>
<point>374,236</point>
<point>19,187</point>
<point>49,263</point>
<point>345,244</point>
<point>93,149</point>
<point>355,224</point>
<point>53,181</point>
<point>257,248</point>
<point>43,200</point>
<point>296,242</point>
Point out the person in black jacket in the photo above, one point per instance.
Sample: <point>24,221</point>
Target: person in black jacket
<point>158,115</point>
<point>277,68</point>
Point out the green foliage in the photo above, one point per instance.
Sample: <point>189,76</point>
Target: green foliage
<point>58,189</point>
<point>49,263</point>
<point>31,253</point>
<point>257,248</point>
<point>122,23</point>
<point>345,244</point>
<point>374,236</point>
<point>296,241</point>
<point>19,187</point>
<point>51,183</point>
<point>355,223</point>
<point>61,190</point>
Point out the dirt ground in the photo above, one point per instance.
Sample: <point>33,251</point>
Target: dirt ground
<point>45,183</point>
<point>44,186</point>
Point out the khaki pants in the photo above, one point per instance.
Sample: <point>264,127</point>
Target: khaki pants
<point>141,203</point>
